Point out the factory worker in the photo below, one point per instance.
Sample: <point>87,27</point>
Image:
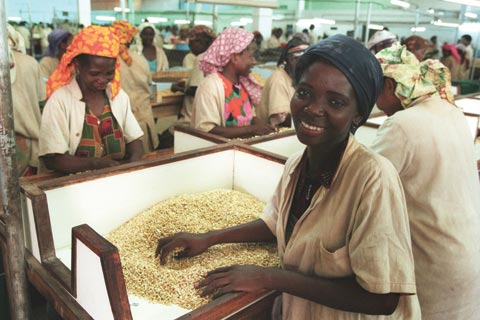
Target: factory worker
<point>87,122</point>
<point>338,214</point>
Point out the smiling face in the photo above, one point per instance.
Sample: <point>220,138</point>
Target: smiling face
<point>95,72</point>
<point>324,106</point>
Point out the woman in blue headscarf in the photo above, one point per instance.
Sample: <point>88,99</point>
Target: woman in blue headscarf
<point>338,214</point>
<point>58,41</point>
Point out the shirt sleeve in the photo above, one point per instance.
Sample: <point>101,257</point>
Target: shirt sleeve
<point>280,96</point>
<point>131,128</point>
<point>54,128</point>
<point>207,108</point>
<point>380,245</point>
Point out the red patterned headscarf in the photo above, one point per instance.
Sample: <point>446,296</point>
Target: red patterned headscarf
<point>231,40</point>
<point>125,32</point>
<point>93,40</point>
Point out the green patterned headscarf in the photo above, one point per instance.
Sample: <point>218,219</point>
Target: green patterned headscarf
<point>414,79</point>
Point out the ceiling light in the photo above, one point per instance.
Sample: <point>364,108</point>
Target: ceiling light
<point>471,15</point>
<point>400,3</point>
<point>180,21</point>
<point>204,22</point>
<point>18,19</point>
<point>445,24</point>
<point>314,21</point>
<point>246,20</point>
<point>237,24</point>
<point>118,9</point>
<point>375,27</point>
<point>156,19</point>
<point>431,11</point>
<point>475,3</point>
<point>418,29</point>
<point>105,18</point>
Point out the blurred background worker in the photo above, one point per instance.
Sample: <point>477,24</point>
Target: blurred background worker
<point>135,79</point>
<point>58,41</point>
<point>28,95</point>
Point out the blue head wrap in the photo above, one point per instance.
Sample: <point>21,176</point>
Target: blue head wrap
<point>54,39</point>
<point>359,66</point>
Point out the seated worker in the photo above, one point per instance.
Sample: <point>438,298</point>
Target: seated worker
<point>200,38</point>
<point>428,141</point>
<point>28,95</point>
<point>58,41</point>
<point>135,79</point>
<point>278,90</point>
<point>87,122</point>
<point>338,214</point>
<point>224,101</point>
<point>380,40</point>
<point>150,49</point>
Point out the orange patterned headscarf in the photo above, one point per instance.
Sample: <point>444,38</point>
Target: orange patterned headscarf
<point>93,40</point>
<point>125,32</point>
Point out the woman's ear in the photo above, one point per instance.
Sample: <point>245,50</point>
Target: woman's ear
<point>389,85</point>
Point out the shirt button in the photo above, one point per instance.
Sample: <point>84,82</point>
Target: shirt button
<point>78,134</point>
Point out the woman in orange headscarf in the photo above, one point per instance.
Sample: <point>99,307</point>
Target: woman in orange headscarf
<point>87,122</point>
<point>135,80</point>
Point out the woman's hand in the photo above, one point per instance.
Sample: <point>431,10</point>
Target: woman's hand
<point>191,244</point>
<point>178,86</point>
<point>246,278</point>
<point>260,127</point>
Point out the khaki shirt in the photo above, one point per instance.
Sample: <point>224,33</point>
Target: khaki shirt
<point>209,104</point>
<point>162,61</point>
<point>64,115</point>
<point>48,65</point>
<point>135,80</point>
<point>432,149</point>
<point>28,90</point>
<point>195,78</point>
<point>276,95</point>
<point>358,227</point>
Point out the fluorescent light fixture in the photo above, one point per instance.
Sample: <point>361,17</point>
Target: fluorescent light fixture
<point>118,9</point>
<point>418,29</point>
<point>105,18</point>
<point>471,15</point>
<point>400,3</point>
<point>470,27</point>
<point>246,20</point>
<point>315,21</point>
<point>237,23</point>
<point>475,3</point>
<point>248,3</point>
<point>278,17</point>
<point>431,11</point>
<point>204,22</point>
<point>375,27</point>
<point>17,19</point>
<point>445,24</point>
<point>180,21</point>
<point>156,19</point>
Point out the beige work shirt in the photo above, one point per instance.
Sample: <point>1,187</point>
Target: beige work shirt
<point>431,147</point>
<point>162,61</point>
<point>209,104</point>
<point>64,115</point>
<point>135,80</point>
<point>195,78</point>
<point>276,95</point>
<point>28,90</point>
<point>48,65</point>
<point>358,227</point>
